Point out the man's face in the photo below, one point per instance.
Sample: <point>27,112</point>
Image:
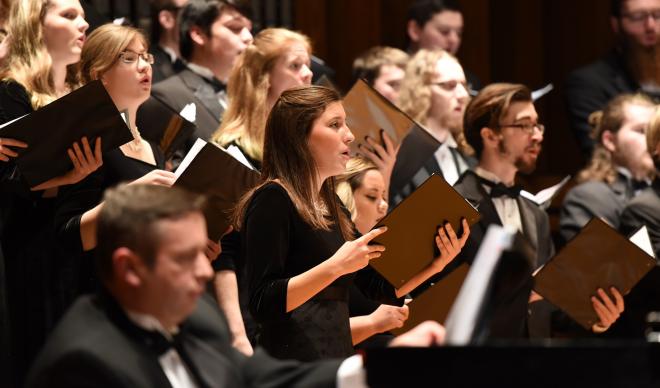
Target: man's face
<point>229,36</point>
<point>388,81</point>
<point>180,271</point>
<point>518,146</point>
<point>638,24</point>
<point>444,30</point>
<point>628,145</point>
<point>449,95</point>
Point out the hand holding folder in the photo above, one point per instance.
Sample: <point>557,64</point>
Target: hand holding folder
<point>6,151</point>
<point>50,131</point>
<point>597,258</point>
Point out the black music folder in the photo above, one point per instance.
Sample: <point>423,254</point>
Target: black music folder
<point>165,127</point>
<point>412,226</point>
<point>212,171</point>
<point>597,257</point>
<point>50,130</point>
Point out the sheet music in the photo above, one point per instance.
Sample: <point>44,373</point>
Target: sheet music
<point>189,112</point>
<point>190,156</point>
<point>544,197</point>
<point>643,241</point>
<point>538,93</point>
<point>238,155</point>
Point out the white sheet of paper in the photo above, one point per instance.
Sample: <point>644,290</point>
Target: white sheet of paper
<point>544,196</point>
<point>11,121</point>
<point>643,241</point>
<point>538,93</point>
<point>463,314</point>
<point>189,112</point>
<point>194,150</point>
<point>238,155</point>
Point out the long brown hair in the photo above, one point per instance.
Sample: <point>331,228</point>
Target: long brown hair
<point>28,62</point>
<point>248,87</point>
<point>288,160</point>
<point>611,119</point>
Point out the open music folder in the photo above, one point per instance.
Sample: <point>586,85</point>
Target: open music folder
<point>597,257</point>
<point>412,226</point>
<point>52,129</point>
<point>167,128</point>
<point>210,170</point>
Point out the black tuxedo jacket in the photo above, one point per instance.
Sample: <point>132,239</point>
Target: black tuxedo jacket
<point>163,67</point>
<point>178,91</point>
<point>644,210</point>
<point>95,345</point>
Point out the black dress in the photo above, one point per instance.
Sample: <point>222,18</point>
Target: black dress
<point>85,195</point>
<point>278,245</point>
<point>30,269</point>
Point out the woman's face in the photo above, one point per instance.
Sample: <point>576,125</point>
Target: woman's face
<point>291,69</point>
<point>129,80</point>
<point>328,141</point>
<point>370,201</point>
<point>64,29</point>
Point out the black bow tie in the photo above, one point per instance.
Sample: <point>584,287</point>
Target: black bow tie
<point>639,184</point>
<point>500,190</point>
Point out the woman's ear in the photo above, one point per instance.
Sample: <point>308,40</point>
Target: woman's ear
<point>608,139</point>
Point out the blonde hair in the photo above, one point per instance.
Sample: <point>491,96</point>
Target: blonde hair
<point>415,93</point>
<point>369,64</point>
<point>351,180</point>
<point>244,121</point>
<point>102,48</point>
<point>28,62</point>
<point>611,119</point>
<point>653,137</point>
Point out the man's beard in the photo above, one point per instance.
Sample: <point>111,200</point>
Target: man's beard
<point>644,64</point>
<point>523,165</point>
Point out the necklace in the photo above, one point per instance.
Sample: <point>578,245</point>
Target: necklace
<point>135,145</point>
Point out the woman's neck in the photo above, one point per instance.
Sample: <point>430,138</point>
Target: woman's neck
<point>58,72</point>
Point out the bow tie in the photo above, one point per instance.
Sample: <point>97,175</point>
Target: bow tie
<point>639,184</point>
<point>156,341</point>
<point>500,190</point>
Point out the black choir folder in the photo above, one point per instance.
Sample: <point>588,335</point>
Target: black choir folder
<point>412,225</point>
<point>212,171</point>
<point>165,127</point>
<point>49,131</point>
<point>598,257</point>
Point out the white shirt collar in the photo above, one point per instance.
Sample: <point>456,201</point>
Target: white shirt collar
<point>487,174</point>
<point>201,71</point>
<point>149,322</point>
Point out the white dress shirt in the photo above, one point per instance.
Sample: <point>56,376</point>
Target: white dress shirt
<point>506,207</point>
<point>443,155</point>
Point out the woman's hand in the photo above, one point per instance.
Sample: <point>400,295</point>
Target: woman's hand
<point>449,244</point>
<point>608,312</point>
<point>156,177</point>
<point>382,155</point>
<point>84,163</point>
<point>5,151</point>
<point>355,255</point>
<point>387,317</point>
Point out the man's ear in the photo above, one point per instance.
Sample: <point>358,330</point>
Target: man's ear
<point>414,31</point>
<point>608,140</point>
<point>488,136</point>
<point>166,19</point>
<point>128,267</point>
<point>198,36</point>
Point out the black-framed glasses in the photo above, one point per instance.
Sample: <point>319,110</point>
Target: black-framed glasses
<point>642,16</point>
<point>130,57</point>
<point>527,127</point>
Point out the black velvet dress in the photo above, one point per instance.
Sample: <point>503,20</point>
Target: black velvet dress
<point>85,195</point>
<point>278,245</point>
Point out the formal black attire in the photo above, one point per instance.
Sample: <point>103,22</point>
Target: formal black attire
<point>34,278</point>
<point>97,345</point>
<point>180,90</point>
<point>590,88</point>
<point>85,195</point>
<point>278,245</point>
<point>644,210</point>
<point>164,67</point>
<point>595,199</point>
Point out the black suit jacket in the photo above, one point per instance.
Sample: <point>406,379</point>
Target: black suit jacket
<point>589,88</point>
<point>95,345</point>
<point>594,199</point>
<point>178,91</point>
<point>644,210</point>
<point>510,319</point>
<point>163,66</point>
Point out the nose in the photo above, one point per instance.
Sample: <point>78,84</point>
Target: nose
<point>382,206</point>
<point>142,64</point>
<point>306,75</point>
<point>82,24</point>
<point>348,136</point>
<point>454,41</point>
<point>462,92</point>
<point>203,269</point>
<point>246,36</point>
<point>537,135</point>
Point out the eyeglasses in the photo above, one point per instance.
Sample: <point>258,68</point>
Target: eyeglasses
<point>130,57</point>
<point>527,127</point>
<point>451,85</point>
<point>642,16</point>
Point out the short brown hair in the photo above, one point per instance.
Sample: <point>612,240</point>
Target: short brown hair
<point>487,109</point>
<point>368,65</point>
<point>128,219</point>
